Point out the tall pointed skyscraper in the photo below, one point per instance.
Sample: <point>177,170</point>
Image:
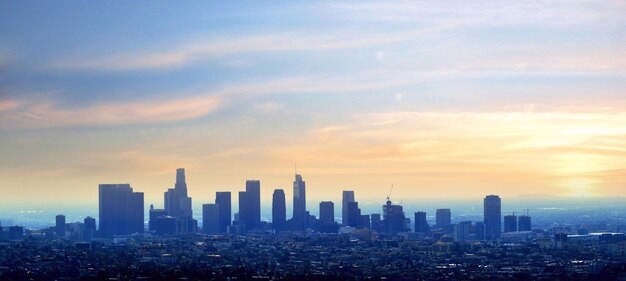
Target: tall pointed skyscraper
<point>299,198</point>
<point>177,203</point>
<point>493,217</point>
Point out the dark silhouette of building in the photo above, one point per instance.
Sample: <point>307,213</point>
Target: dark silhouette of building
<point>250,205</point>
<point>524,223</point>
<point>327,211</point>
<point>154,214</point>
<point>354,214</point>
<point>299,202</point>
<point>421,225</point>
<point>279,210</point>
<point>347,197</point>
<point>394,220</point>
<point>376,222</point>
<point>365,222</point>
<point>443,218</point>
<point>223,200</point>
<point>211,218</point>
<point>165,225</point>
<point>177,203</point>
<point>462,231</point>
<point>492,217</point>
<point>60,226</point>
<point>479,230</point>
<point>510,223</point>
<point>120,210</point>
<point>16,232</point>
<point>90,227</point>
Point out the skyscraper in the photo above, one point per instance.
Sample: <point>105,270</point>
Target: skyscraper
<point>348,196</point>
<point>120,210</point>
<point>510,223</point>
<point>210,218</point>
<point>421,225</point>
<point>90,227</point>
<point>354,214</point>
<point>394,220</point>
<point>327,211</point>
<point>60,226</point>
<point>223,200</point>
<point>492,217</point>
<point>250,205</point>
<point>443,217</point>
<point>524,223</point>
<point>299,198</point>
<point>462,230</point>
<point>279,210</point>
<point>177,203</point>
<point>153,215</point>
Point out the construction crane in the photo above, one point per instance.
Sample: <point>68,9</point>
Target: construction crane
<point>389,194</point>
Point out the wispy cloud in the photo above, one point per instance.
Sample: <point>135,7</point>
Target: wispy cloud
<point>44,114</point>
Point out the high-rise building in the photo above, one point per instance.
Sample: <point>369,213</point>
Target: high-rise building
<point>354,214</point>
<point>479,230</point>
<point>492,207</point>
<point>60,226</point>
<point>394,220</point>
<point>154,214</point>
<point>510,223</point>
<point>462,230</point>
<point>524,223</point>
<point>421,225</point>
<point>376,222</point>
<point>327,211</point>
<point>120,210</point>
<point>279,210</point>
<point>443,218</point>
<point>250,205</point>
<point>365,222</point>
<point>223,200</point>
<point>299,198</point>
<point>90,227</point>
<point>347,197</point>
<point>211,218</point>
<point>177,203</point>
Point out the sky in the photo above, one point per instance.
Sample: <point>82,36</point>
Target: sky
<point>442,99</point>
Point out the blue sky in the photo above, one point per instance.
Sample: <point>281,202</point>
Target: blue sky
<point>360,94</point>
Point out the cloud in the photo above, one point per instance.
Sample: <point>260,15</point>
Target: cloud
<point>200,50</point>
<point>38,114</point>
<point>268,107</point>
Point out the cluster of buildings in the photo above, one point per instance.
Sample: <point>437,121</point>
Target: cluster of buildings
<point>121,213</point>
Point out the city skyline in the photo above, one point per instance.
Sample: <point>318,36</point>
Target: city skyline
<point>501,98</point>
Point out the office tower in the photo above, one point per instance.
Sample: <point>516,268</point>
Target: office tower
<point>376,222</point>
<point>479,230</point>
<point>347,197</point>
<point>354,214</point>
<point>394,220</point>
<point>510,223</point>
<point>154,214</point>
<point>279,210</point>
<point>90,227</point>
<point>299,198</point>
<point>177,203</point>
<point>327,211</point>
<point>222,199</point>
<point>60,226</point>
<point>211,218</point>
<point>462,230</point>
<point>421,225</point>
<point>165,225</point>
<point>365,222</point>
<point>443,217</point>
<point>16,232</point>
<point>120,210</point>
<point>492,217</point>
<point>250,206</point>
<point>524,223</point>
